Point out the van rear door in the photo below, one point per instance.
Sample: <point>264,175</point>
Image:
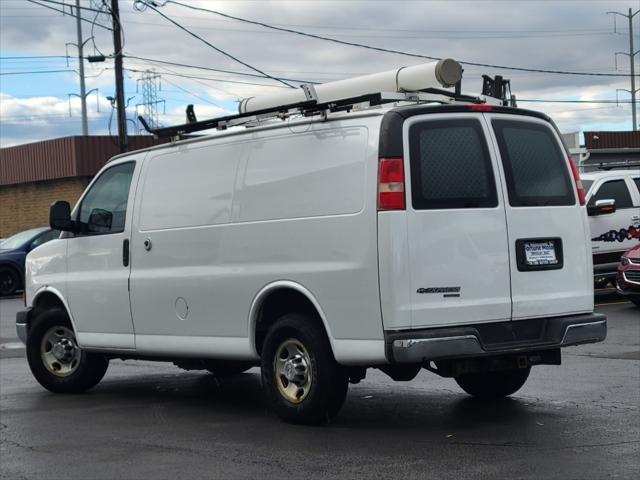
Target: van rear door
<point>457,234</point>
<point>550,258</point>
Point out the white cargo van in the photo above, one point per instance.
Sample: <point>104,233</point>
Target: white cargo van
<point>451,237</point>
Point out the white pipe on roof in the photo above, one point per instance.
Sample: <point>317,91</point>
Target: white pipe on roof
<point>443,73</point>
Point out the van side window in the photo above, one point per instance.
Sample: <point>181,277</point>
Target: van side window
<point>535,166</point>
<point>637,180</point>
<point>104,207</point>
<point>450,166</point>
<point>616,190</point>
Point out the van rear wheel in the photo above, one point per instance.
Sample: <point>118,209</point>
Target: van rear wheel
<point>55,359</point>
<point>303,382</point>
<point>493,384</point>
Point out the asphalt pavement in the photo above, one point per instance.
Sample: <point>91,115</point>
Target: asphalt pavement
<point>150,420</point>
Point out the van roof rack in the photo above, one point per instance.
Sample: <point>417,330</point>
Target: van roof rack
<point>614,165</point>
<point>308,108</point>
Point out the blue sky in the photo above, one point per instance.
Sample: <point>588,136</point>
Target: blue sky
<point>566,35</point>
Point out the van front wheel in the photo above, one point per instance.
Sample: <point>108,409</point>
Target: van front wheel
<point>55,359</point>
<point>302,381</point>
<point>493,384</point>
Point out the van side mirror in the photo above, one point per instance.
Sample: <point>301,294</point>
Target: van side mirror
<point>99,221</point>
<point>602,207</point>
<point>60,217</point>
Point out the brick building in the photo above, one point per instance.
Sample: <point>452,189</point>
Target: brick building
<point>34,175</point>
<point>617,148</point>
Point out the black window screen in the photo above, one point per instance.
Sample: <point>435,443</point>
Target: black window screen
<point>535,166</point>
<point>614,190</point>
<point>637,180</point>
<point>450,166</point>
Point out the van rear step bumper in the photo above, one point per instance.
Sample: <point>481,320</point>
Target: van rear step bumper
<point>421,346</point>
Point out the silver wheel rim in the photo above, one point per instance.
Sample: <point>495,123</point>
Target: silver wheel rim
<point>59,351</point>
<point>292,370</point>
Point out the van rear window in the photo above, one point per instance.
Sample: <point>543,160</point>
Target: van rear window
<point>535,166</point>
<point>450,166</point>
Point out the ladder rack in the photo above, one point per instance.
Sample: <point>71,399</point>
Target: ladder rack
<point>614,165</point>
<point>311,107</point>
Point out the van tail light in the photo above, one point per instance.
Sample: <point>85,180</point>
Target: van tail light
<point>576,177</point>
<point>391,184</point>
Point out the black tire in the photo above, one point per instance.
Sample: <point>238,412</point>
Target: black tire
<point>9,281</point>
<point>600,283</point>
<point>636,301</point>
<point>329,381</point>
<point>493,384</point>
<point>227,368</point>
<point>90,367</point>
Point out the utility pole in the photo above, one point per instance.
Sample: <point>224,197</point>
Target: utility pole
<point>631,56</point>
<point>120,105</point>
<point>83,93</point>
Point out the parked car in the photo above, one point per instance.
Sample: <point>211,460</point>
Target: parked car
<point>13,251</point>
<point>628,280</point>
<point>444,237</point>
<point>613,204</point>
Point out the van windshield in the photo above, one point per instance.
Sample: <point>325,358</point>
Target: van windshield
<point>535,166</point>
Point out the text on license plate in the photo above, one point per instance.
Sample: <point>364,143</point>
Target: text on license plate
<point>540,253</point>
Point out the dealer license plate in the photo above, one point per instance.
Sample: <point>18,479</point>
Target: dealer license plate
<point>540,253</point>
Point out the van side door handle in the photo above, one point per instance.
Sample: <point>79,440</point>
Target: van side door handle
<point>125,252</point>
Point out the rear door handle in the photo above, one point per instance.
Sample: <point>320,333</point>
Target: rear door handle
<point>125,252</point>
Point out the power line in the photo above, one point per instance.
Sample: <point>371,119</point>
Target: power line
<point>216,87</point>
<point>210,79</point>
<point>195,95</point>
<point>381,49</point>
<point>406,30</point>
<point>149,5</point>
<point>34,57</point>
<point>62,4</point>
<point>425,34</point>
<point>176,64</point>
<point>36,72</point>
<point>536,100</point>
<point>64,13</point>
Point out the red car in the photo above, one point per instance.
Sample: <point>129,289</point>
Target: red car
<point>629,275</point>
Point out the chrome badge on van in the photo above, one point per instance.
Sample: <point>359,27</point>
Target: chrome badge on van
<point>446,291</point>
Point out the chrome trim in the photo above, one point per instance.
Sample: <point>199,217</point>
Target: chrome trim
<point>417,349</point>
<point>624,274</point>
<point>21,329</point>
<point>584,333</point>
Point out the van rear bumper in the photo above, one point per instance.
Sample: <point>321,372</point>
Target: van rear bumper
<point>421,346</point>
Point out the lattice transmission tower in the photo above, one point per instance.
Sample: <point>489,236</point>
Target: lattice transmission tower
<point>149,84</point>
